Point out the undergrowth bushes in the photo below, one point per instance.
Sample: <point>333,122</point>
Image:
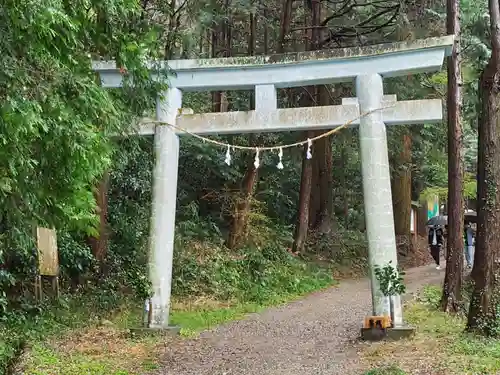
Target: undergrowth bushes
<point>441,345</point>
<point>261,275</point>
<point>248,274</point>
<point>431,297</point>
<point>35,321</point>
<point>341,246</point>
<point>262,272</point>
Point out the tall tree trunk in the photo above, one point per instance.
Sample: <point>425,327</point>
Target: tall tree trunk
<point>422,220</point>
<point>286,18</point>
<point>169,48</point>
<point>266,32</point>
<point>422,210</point>
<point>238,232</point>
<point>321,215</point>
<point>216,95</point>
<point>99,244</point>
<point>239,224</point>
<point>401,194</point>
<point>221,42</point>
<point>302,226</point>
<point>401,189</point>
<point>401,181</point>
<point>318,164</point>
<point>343,179</point>
<point>452,289</point>
<point>483,304</point>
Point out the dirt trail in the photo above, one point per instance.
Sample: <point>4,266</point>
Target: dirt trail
<point>311,336</point>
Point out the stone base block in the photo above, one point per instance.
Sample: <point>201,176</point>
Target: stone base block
<point>377,334</point>
<point>143,331</point>
<point>399,333</point>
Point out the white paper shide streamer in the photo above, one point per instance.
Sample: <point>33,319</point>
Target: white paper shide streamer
<point>309,152</point>
<point>280,156</point>
<point>228,156</point>
<point>256,162</point>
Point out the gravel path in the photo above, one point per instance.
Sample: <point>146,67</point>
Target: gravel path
<point>312,336</point>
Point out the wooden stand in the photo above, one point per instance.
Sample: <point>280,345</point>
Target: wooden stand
<point>48,261</point>
<point>54,281</point>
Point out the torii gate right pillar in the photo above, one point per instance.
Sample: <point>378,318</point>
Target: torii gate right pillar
<point>377,189</point>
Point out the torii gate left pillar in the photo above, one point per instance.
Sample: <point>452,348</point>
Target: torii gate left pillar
<point>161,248</point>
<point>365,65</point>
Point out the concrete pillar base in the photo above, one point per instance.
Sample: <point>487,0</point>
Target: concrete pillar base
<point>397,333</point>
<point>151,331</point>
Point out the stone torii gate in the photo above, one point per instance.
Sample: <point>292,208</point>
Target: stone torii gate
<point>265,74</point>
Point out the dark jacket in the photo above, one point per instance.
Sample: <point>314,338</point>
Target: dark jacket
<point>439,236</point>
<point>465,238</point>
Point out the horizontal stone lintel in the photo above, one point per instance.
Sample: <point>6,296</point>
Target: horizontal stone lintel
<point>296,69</point>
<point>295,119</point>
<point>294,58</point>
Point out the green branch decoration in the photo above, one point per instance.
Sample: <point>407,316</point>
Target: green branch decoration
<point>390,279</point>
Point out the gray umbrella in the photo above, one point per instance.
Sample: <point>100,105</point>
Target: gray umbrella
<point>470,216</point>
<point>440,220</point>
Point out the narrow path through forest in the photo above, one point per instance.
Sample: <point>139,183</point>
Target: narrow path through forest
<point>314,335</point>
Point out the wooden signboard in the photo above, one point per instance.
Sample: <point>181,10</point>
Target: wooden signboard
<point>48,260</point>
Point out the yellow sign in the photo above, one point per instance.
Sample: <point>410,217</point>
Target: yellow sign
<point>48,260</point>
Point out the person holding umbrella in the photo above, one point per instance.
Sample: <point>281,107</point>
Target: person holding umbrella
<point>436,241</point>
<point>442,220</point>
<point>436,237</point>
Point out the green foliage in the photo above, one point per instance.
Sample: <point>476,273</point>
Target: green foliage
<point>440,342</point>
<point>75,257</point>
<point>262,271</point>
<point>391,280</point>
<point>129,213</point>
<point>343,248</point>
<point>431,296</point>
<point>55,122</point>
<point>489,324</point>
<point>465,353</point>
<point>248,280</point>
<point>388,370</point>
<point>36,321</point>
<point>110,348</point>
<point>469,191</point>
<point>250,274</point>
<point>55,119</point>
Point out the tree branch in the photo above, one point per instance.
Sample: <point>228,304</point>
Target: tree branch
<point>350,32</point>
<point>342,11</point>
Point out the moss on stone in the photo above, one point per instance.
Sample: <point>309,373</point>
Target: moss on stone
<point>338,53</point>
